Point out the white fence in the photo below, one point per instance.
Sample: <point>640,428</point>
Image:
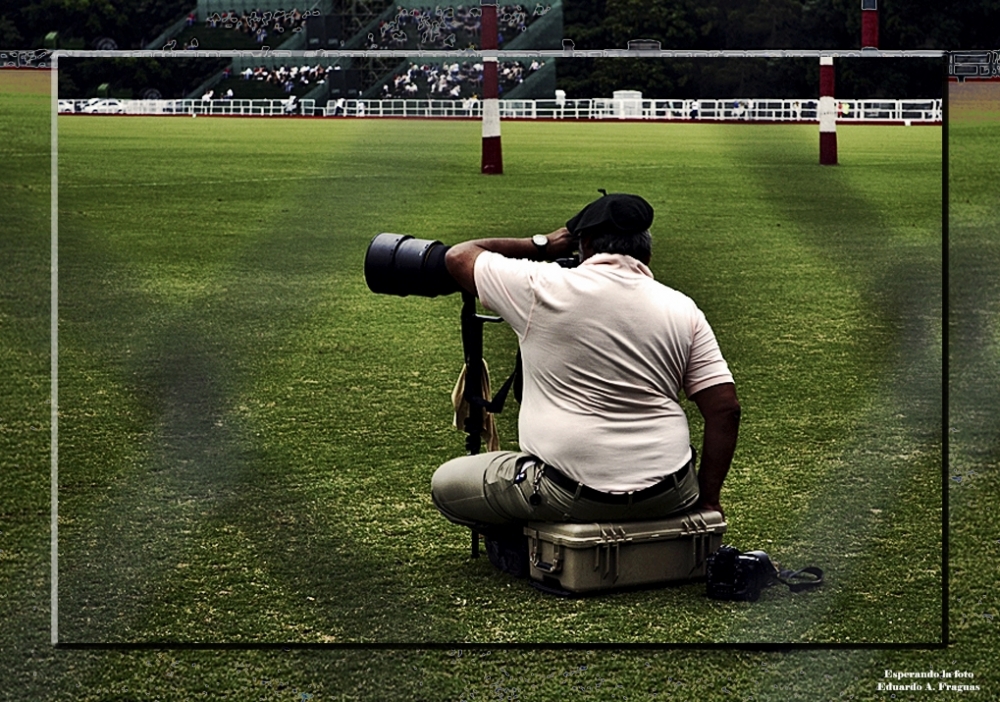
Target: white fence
<point>246,108</point>
<point>601,109</point>
<point>888,111</point>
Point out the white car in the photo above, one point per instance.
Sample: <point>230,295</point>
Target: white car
<point>104,106</point>
<point>67,106</point>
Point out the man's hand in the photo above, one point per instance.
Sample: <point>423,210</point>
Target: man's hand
<point>561,243</point>
<point>714,506</point>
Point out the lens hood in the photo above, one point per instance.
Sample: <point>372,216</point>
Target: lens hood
<point>400,264</point>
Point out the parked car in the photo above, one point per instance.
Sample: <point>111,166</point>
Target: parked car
<point>104,106</point>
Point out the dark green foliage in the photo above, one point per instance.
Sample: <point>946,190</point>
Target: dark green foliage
<point>751,24</point>
<point>926,24</point>
<point>859,79</point>
<point>782,24</point>
<point>767,24</point>
<point>127,77</point>
<point>129,24</point>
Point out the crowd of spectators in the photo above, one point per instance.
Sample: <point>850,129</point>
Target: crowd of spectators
<point>449,27</point>
<point>257,23</point>
<point>289,78</point>
<point>454,80</point>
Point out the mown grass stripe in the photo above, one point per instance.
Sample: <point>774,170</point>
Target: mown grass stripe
<point>886,460</point>
<point>314,392</point>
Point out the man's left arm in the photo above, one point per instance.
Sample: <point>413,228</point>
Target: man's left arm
<point>721,409</point>
<point>461,258</point>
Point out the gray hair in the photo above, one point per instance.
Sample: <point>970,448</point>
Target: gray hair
<point>638,246</point>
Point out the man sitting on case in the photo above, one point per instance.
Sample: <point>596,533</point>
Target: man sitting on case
<point>607,352</point>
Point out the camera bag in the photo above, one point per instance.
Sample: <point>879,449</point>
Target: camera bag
<point>569,559</point>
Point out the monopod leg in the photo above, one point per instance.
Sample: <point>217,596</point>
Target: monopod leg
<point>472,343</point>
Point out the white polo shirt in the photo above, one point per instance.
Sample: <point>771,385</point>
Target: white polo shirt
<point>607,351</point>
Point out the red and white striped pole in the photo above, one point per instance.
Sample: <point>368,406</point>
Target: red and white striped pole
<point>492,155</point>
<point>869,24</point>
<point>827,114</point>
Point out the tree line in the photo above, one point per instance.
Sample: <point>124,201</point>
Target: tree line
<point>604,24</point>
<point>769,24</point>
<point>130,24</point>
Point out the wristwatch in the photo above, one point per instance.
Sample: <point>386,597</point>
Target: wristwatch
<point>541,243</point>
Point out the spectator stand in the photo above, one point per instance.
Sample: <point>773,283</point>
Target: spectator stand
<point>253,24</point>
<point>243,24</point>
<point>461,78</point>
<point>409,24</point>
<point>277,77</point>
<point>237,26</point>
<point>207,8</point>
<point>538,83</point>
<point>415,25</point>
<point>544,32</point>
<point>168,35</point>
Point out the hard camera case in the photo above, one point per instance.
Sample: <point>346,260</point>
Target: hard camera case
<point>582,558</point>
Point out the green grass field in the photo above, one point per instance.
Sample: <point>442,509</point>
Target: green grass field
<point>247,434</point>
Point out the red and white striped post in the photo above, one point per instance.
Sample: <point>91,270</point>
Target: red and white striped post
<point>492,155</point>
<point>869,24</point>
<point>827,114</point>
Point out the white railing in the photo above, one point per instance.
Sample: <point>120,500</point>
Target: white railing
<point>887,111</point>
<point>604,109</point>
<point>246,108</point>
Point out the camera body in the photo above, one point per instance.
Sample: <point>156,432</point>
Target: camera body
<point>732,575</point>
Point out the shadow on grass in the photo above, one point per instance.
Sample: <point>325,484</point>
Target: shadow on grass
<point>190,512</point>
<point>304,515</point>
<point>194,536</point>
<point>874,516</point>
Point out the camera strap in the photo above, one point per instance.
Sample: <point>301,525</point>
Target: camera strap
<point>796,580</point>
<point>803,579</point>
<point>495,406</point>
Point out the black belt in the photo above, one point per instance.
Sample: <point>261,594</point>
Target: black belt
<point>614,498</point>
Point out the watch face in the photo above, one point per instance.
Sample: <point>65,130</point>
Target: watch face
<point>540,240</point>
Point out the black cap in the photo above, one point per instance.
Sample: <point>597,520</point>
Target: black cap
<point>618,213</point>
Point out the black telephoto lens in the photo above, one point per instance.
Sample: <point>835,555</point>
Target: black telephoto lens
<point>399,264</point>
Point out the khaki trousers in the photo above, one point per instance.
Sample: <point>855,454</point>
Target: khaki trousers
<point>481,490</point>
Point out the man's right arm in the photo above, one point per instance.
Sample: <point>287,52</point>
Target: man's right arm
<point>721,409</point>
<point>460,260</point>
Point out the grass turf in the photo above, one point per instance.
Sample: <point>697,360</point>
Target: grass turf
<point>240,410</point>
<point>35,670</point>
